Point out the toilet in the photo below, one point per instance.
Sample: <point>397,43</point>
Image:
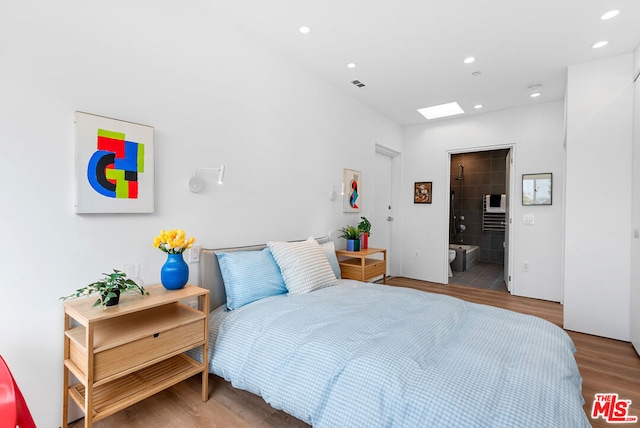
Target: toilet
<point>452,257</point>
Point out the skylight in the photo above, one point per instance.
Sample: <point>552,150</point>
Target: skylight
<point>442,110</point>
<point>610,14</point>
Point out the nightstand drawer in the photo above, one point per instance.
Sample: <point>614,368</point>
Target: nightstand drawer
<point>130,355</point>
<point>352,268</point>
<point>375,269</point>
<point>357,265</point>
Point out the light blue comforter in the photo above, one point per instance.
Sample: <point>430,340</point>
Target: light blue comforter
<point>367,355</point>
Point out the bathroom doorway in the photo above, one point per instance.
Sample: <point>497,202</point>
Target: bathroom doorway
<point>479,186</point>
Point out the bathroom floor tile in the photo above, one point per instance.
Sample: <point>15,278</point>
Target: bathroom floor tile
<point>489,276</point>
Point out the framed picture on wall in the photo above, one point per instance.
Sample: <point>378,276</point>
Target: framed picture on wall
<point>113,165</point>
<point>422,192</point>
<point>537,189</point>
<point>352,181</point>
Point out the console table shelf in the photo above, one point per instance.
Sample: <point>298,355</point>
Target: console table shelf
<point>115,396</point>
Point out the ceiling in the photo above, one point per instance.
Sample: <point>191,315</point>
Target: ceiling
<point>409,53</point>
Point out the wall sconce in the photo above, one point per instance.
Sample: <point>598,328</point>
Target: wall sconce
<point>196,184</point>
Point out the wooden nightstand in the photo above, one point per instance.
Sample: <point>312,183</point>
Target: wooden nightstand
<point>356,265</point>
<point>128,352</point>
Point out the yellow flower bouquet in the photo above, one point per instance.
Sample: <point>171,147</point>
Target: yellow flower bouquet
<point>173,241</point>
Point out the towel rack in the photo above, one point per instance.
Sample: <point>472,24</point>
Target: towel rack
<point>491,221</point>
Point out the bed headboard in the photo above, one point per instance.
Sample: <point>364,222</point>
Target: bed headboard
<point>210,276</point>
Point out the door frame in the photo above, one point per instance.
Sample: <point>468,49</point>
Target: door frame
<point>511,186</point>
<point>395,263</point>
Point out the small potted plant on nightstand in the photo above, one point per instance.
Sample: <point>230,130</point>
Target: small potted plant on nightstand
<point>109,289</point>
<point>352,235</point>
<point>365,228</point>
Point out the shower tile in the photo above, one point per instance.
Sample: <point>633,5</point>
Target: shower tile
<point>476,178</point>
<point>497,189</point>
<point>498,164</point>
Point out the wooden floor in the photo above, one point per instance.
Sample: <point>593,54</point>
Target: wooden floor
<point>606,365</point>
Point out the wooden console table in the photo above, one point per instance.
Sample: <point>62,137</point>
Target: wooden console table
<point>356,264</point>
<point>128,352</point>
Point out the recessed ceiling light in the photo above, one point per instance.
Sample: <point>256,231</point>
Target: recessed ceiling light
<point>469,60</point>
<point>305,30</point>
<point>600,44</point>
<point>610,14</point>
<point>442,110</point>
<point>535,91</point>
<point>351,65</point>
<point>478,106</point>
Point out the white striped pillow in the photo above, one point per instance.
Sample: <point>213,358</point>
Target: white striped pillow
<point>303,265</point>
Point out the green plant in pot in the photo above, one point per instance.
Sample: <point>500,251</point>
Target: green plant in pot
<point>365,228</point>
<point>108,288</point>
<point>352,235</point>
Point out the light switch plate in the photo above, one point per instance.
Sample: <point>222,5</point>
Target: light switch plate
<point>528,219</point>
<point>194,254</point>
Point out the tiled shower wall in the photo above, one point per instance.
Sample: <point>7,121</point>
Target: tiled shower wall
<point>484,173</point>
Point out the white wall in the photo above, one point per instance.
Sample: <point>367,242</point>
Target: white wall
<point>212,95</point>
<point>537,134</point>
<point>598,202</point>
<point>635,196</point>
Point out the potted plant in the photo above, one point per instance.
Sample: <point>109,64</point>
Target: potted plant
<point>109,289</point>
<point>352,235</point>
<point>365,228</point>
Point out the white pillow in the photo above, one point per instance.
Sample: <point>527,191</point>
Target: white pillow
<point>303,265</point>
<point>330,252</point>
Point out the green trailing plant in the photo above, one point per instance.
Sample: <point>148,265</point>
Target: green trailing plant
<point>109,287</point>
<point>365,225</point>
<point>350,232</point>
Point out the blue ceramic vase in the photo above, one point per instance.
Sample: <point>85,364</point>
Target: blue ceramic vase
<point>175,272</point>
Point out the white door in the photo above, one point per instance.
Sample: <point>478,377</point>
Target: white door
<point>507,222</point>
<point>382,216</point>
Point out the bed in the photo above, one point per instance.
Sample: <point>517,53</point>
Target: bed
<point>353,354</point>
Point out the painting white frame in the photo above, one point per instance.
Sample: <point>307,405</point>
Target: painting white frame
<point>114,165</point>
<point>352,182</point>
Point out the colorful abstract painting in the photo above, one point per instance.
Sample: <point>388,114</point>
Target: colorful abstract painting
<point>353,191</point>
<point>114,165</point>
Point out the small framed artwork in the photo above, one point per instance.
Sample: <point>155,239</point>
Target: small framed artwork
<point>537,189</point>
<point>422,192</point>
<point>352,181</point>
<point>114,165</point>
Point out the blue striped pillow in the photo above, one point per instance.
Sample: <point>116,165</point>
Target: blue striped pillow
<point>249,276</point>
